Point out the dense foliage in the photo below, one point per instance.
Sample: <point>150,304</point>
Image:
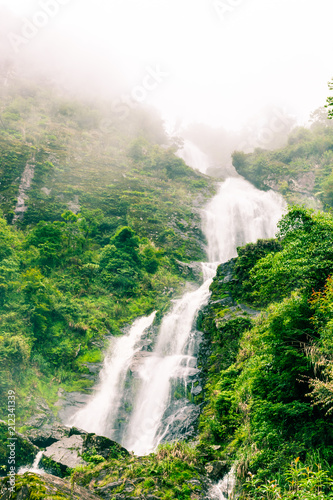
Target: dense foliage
<point>302,171</point>
<point>270,399</point>
<point>110,217</point>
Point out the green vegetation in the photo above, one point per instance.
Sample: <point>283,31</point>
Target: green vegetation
<point>109,215</point>
<point>302,484</point>
<point>109,221</point>
<point>174,471</point>
<point>302,171</point>
<point>269,391</point>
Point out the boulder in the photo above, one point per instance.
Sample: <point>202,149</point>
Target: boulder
<point>48,434</point>
<point>47,486</point>
<point>67,452</point>
<point>43,415</point>
<point>216,470</point>
<point>180,421</point>
<point>63,455</point>
<point>103,446</point>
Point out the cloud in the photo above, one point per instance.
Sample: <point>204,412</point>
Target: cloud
<point>222,69</point>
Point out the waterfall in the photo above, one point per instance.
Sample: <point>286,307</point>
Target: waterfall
<point>101,412</point>
<point>34,468</point>
<point>158,403</point>
<point>172,359</point>
<point>194,157</point>
<point>224,489</point>
<point>238,214</point>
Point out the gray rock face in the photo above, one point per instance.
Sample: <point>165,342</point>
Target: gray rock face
<point>66,452</point>
<point>216,469</point>
<point>180,420</point>
<point>48,434</point>
<point>70,404</point>
<point>192,270</point>
<point>43,415</point>
<point>103,446</point>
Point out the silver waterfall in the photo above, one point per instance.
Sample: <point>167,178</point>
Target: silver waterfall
<point>155,392</point>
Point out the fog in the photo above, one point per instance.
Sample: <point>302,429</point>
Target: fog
<point>227,64</point>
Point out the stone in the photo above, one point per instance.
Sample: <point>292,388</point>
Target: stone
<point>194,482</point>
<point>196,390</point>
<point>103,446</point>
<point>50,485</point>
<point>216,470</point>
<point>43,415</point>
<point>180,420</point>
<point>138,360</point>
<point>76,431</point>
<point>48,434</point>
<point>110,486</point>
<point>64,454</point>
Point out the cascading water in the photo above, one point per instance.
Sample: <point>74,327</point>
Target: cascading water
<point>172,360</point>
<point>101,412</point>
<point>194,157</point>
<point>238,214</point>
<point>35,466</point>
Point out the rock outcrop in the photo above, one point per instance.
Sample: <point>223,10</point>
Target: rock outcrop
<point>46,486</point>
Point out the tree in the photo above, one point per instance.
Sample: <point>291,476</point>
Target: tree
<point>48,238</point>
<point>120,262</point>
<point>329,101</point>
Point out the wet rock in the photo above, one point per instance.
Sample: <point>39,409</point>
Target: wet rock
<point>71,403</point>
<point>138,360</point>
<point>226,301</point>
<point>76,431</point>
<point>93,368</point>
<point>180,420</point>
<point>104,446</point>
<point>229,277</point>
<point>197,390</point>
<point>47,485</point>
<point>216,470</point>
<point>43,415</point>
<point>48,434</point>
<point>103,492</point>
<point>192,270</point>
<point>64,454</point>
<point>194,482</point>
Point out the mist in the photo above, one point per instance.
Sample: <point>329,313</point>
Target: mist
<point>234,67</point>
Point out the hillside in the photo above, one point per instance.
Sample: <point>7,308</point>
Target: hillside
<point>107,229</point>
<point>302,171</point>
<point>107,220</point>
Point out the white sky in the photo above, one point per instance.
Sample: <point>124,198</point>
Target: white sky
<point>222,69</point>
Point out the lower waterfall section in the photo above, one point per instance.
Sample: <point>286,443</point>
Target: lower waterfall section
<point>172,362</point>
<point>158,408</point>
<point>102,411</point>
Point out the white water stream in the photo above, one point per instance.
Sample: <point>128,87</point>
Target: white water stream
<point>238,214</point>
<point>194,157</point>
<point>100,414</point>
<point>35,466</point>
